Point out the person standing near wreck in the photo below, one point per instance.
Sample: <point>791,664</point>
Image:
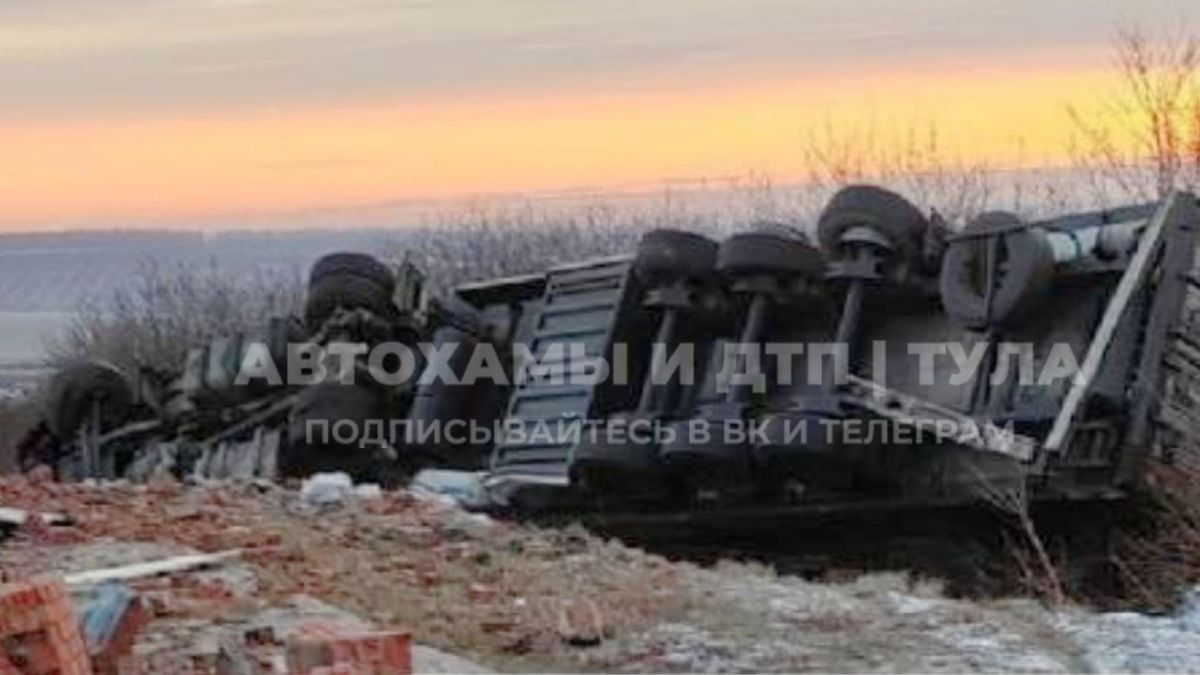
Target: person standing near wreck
<point>39,447</point>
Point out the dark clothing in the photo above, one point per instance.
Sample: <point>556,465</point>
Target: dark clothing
<point>39,446</point>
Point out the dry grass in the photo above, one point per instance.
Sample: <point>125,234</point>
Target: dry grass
<point>1157,552</point>
<point>481,242</point>
<point>1005,489</point>
<point>165,311</point>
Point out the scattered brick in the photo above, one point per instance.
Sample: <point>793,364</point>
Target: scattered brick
<point>395,560</point>
<point>319,646</point>
<point>39,629</point>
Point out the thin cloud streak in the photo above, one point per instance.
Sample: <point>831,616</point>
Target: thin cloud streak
<point>58,56</point>
<point>119,111</point>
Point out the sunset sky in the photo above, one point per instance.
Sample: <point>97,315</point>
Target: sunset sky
<point>151,112</point>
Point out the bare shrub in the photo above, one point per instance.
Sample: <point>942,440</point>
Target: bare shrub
<point>1005,488</point>
<point>1142,142</point>
<point>486,240</point>
<point>1144,139</point>
<point>165,311</point>
<point>489,241</point>
<point>912,161</point>
<point>1157,552</point>
<point>480,242</point>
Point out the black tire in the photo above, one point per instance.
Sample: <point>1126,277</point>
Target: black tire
<point>1025,276</point>
<point>782,230</point>
<point>73,390</point>
<point>884,211</point>
<point>665,255</point>
<point>346,292</point>
<point>322,406</point>
<point>354,265</point>
<point>752,253</point>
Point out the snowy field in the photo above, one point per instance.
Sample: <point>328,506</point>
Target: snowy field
<point>23,339</point>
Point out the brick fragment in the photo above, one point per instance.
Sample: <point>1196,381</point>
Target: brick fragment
<point>317,647</point>
<point>39,630</point>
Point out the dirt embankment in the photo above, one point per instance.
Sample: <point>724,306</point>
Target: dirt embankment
<point>515,597</point>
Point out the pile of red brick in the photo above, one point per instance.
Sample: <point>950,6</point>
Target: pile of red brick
<point>213,518</point>
<point>325,648</point>
<point>494,589</point>
<point>40,633</point>
<point>38,619</point>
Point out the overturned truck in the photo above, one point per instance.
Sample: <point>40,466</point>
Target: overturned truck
<point>889,361</point>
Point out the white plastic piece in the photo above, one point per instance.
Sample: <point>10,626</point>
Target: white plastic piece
<point>326,489</point>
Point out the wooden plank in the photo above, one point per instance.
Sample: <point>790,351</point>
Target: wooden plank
<point>146,426</point>
<point>1180,349</point>
<point>1134,275</point>
<point>1188,369</point>
<point>18,517</point>
<point>181,563</point>
<point>1165,313</point>
<point>1180,419</point>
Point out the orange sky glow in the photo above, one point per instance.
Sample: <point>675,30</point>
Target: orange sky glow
<point>231,113</point>
<point>246,161</point>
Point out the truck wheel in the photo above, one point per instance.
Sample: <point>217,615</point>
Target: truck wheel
<point>346,292</point>
<point>882,210</point>
<point>769,253</point>
<point>355,265</point>
<point>782,230</point>
<point>1025,270</point>
<point>674,254</point>
<point>74,389</point>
